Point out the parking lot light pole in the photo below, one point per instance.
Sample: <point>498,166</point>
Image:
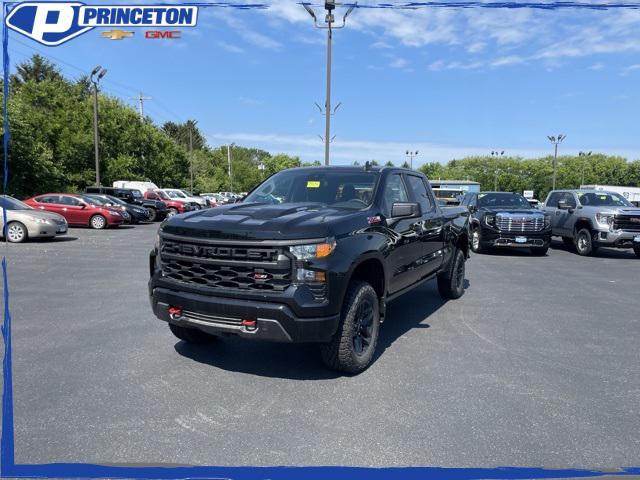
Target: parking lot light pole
<point>497,154</point>
<point>556,141</point>
<point>329,6</point>
<point>584,156</point>
<point>192,125</point>
<point>96,75</point>
<point>411,154</point>
<point>229,147</point>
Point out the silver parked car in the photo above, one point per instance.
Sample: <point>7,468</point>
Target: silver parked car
<point>25,222</point>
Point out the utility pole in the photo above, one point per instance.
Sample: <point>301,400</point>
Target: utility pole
<point>141,98</point>
<point>96,75</point>
<point>329,6</point>
<point>229,147</point>
<point>497,154</point>
<point>191,157</point>
<point>584,156</point>
<point>411,154</point>
<point>556,141</point>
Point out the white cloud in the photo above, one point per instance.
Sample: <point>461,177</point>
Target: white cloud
<point>346,151</point>
<point>229,47</point>
<point>597,66</point>
<point>399,63</point>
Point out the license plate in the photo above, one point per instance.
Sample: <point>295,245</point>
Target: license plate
<point>636,239</point>
<point>61,230</point>
<point>521,239</point>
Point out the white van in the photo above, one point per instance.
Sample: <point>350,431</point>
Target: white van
<point>142,186</point>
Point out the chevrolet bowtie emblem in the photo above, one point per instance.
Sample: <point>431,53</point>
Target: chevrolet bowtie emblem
<point>117,34</point>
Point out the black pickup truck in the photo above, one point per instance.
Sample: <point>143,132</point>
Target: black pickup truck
<point>310,255</point>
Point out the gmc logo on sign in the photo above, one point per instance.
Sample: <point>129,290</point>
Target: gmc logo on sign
<point>162,34</point>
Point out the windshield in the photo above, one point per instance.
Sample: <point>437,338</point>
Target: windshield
<point>175,194</point>
<point>11,203</point>
<point>603,199</point>
<point>136,193</point>
<point>116,200</point>
<point>95,200</point>
<point>187,193</point>
<point>162,195</point>
<point>343,189</point>
<point>502,200</point>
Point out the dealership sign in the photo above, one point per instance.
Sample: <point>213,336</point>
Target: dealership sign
<point>53,23</point>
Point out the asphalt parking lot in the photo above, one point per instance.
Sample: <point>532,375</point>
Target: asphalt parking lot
<point>537,365</point>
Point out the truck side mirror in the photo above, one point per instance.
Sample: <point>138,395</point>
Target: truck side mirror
<point>404,209</point>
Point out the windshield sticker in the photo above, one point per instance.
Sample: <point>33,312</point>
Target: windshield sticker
<point>313,184</point>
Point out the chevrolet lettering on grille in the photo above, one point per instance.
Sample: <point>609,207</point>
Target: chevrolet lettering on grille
<point>204,251</point>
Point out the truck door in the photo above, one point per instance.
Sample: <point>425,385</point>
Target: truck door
<point>427,252</point>
<point>401,237</point>
<point>565,219</point>
<point>551,207</point>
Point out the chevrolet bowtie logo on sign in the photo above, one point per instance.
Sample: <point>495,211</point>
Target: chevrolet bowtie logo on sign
<point>116,34</point>
<point>53,23</point>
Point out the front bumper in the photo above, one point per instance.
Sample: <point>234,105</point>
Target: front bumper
<point>497,238</point>
<point>222,315</point>
<point>45,230</point>
<point>617,239</point>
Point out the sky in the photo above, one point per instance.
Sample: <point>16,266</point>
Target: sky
<point>446,82</point>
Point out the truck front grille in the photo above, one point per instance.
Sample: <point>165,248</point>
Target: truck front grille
<point>225,266</point>
<point>519,223</point>
<point>627,222</point>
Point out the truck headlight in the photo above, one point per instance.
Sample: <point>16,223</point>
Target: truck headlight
<point>605,219</point>
<point>316,250</point>
<point>490,220</point>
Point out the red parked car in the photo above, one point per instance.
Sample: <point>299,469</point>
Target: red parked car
<point>77,210</point>
<point>173,206</point>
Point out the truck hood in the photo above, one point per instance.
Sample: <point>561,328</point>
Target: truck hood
<point>259,221</point>
<point>517,211</point>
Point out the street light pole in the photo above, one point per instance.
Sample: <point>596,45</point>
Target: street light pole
<point>192,124</point>
<point>229,147</point>
<point>556,141</point>
<point>411,154</point>
<point>329,6</point>
<point>584,156</point>
<point>497,154</point>
<point>96,75</point>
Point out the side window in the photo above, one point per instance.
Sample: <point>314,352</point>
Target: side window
<point>47,199</point>
<point>420,192</point>
<point>570,199</point>
<point>394,192</point>
<point>553,200</point>
<point>64,200</point>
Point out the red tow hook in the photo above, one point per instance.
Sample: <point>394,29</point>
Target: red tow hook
<point>174,312</point>
<point>250,325</point>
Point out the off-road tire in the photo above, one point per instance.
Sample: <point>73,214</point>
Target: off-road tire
<point>451,281</point>
<point>584,243</point>
<point>191,335</point>
<point>341,352</point>
<point>171,212</point>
